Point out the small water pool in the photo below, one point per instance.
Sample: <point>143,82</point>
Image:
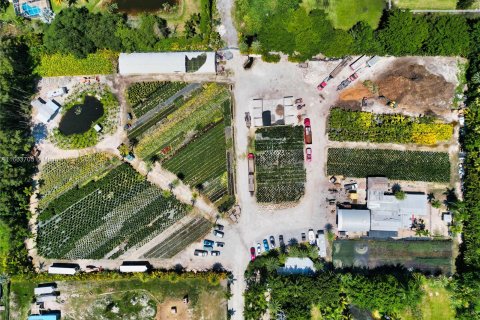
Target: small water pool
<point>79,118</point>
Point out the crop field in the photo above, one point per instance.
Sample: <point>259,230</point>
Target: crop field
<point>347,125</point>
<point>116,212</point>
<point>425,255</point>
<point>144,96</point>
<point>396,165</point>
<point>203,162</point>
<point>59,176</point>
<point>279,164</point>
<point>137,296</point>
<point>193,230</point>
<point>426,4</point>
<point>202,109</point>
<point>346,13</point>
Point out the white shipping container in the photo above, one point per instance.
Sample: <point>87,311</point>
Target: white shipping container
<point>133,268</point>
<point>322,245</point>
<point>43,290</point>
<point>62,270</point>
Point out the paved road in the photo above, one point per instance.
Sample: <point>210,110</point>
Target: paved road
<point>448,11</point>
<point>147,116</point>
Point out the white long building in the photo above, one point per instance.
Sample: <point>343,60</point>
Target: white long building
<point>167,63</point>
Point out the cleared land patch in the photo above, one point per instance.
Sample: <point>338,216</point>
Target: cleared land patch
<point>426,4</point>
<point>279,164</point>
<point>400,165</point>
<point>425,255</point>
<point>110,215</point>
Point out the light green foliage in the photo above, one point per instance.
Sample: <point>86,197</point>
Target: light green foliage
<point>120,208</point>
<point>401,165</point>
<point>346,125</point>
<point>426,4</point>
<point>54,65</point>
<point>279,164</point>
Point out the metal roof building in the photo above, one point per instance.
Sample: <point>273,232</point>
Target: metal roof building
<point>295,265</point>
<point>45,109</point>
<point>167,63</point>
<point>353,220</point>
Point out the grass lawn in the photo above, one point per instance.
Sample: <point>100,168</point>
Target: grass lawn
<point>186,8</point>
<point>436,303</point>
<point>92,5</point>
<point>426,4</point>
<point>9,14</point>
<point>4,245</point>
<point>346,13</point>
<point>82,297</point>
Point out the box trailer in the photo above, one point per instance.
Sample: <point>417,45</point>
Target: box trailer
<point>64,268</point>
<point>321,244</point>
<point>358,63</point>
<point>135,266</point>
<point>46,297</point>
<point>251,183</point>
<point>373,61</point>
<point>251,163</point>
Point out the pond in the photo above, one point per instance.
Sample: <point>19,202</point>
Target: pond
<point>136,6</point>
<point>79,118</point>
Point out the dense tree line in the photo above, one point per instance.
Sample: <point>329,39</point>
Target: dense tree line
<point>16,87</point>
<point>290,29</point>
<point>80,32</point>
<point>387,291</point>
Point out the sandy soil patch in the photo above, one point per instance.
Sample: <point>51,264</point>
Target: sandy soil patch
<point>164,310</point>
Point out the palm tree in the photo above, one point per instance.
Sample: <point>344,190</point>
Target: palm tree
<point>274,307</point>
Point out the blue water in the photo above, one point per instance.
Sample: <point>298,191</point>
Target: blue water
<point>30,11</point>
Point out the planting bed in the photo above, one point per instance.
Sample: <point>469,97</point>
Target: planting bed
<point>280,172</point>
<point>195,114</point>
<point>193,230</point>
<point>113,214</point>
<point>347,125</point>
<point>144,96</point>
<point>203,162</point>
<point>59,176</point>
<point>400,165</point>
<point>426,255</point>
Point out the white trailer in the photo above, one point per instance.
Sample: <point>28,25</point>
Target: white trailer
<point>358,63</point>
<point>57,93</point>
<point>321,244</point>
<point>134,267</point>
<point>46,298</point>
<point>61,268</point>
<point>373,61</point>
<point>44,290</point>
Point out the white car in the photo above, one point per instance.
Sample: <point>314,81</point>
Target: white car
<point>218,233</point>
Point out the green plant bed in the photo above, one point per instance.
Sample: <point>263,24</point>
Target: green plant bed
<point>120,208</point>
<point>401,165</point>
<point>346,125</point>
<point>102,62</point>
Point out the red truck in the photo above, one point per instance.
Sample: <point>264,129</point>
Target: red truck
<point>308,131</point>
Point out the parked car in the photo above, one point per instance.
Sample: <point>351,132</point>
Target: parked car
<point>311,237</point>
<point>259,248</point>
<point>218,233</point>
<point>353,77</point>
<point>127,126</point>
<point>215,253</point>
<point>272,241</point>
<point>201,253</point>
<point>208,243</point>
<point>304,237</point>
<point>322,85</point>
<point>280,239</point>
<point>265,245</point>
<point>252,253</point>
<point>129,116</point>
<point>308,154</point>
<point>351,186</point>
<point>220,244</point>
<point>307,131</point>
<point>219,227</point>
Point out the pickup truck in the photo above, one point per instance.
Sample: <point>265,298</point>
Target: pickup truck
<point>308,131</point>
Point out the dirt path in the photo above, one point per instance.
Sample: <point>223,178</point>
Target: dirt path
<point>390,146</point>
<point>227,28</point>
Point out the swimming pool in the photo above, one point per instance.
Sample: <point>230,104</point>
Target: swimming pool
<point>30,11</point>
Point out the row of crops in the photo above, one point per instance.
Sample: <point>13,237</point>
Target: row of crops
<point>110,215</point>
<point>197,113</point>
<point>203,163</point>
<point>280,172</point>
<point>348,125</point>
<point>144,96</point>
<point>398,165</point>
<point>193,230</point>
<point>59,176</point>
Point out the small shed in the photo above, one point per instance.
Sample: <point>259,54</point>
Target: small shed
<point>44,290</point>
<point>97,127</point>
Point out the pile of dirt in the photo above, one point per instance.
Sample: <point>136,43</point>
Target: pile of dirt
<point>410,84</point>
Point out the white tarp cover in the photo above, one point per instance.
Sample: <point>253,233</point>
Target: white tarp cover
<point>162,62</point>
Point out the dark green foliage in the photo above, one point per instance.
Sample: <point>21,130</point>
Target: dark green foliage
<point>365,40</point>
<point>448,36</point>
<point>465,4</point>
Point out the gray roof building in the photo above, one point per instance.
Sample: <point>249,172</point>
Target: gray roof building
<point>353,220</point>
<point>295,265</point>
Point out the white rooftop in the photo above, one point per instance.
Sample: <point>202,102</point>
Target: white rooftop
<point>165,63</point>
<point>353,220</point>
<point>45,111</point>
<point>282,110</point>
<point>294,265</point>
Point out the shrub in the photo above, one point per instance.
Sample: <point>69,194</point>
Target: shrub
<point>269,57</point>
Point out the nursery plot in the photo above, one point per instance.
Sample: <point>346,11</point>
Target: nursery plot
<point>400,165</point>
<point>203,162</point>
<point>280,172</point>
<point>193,230</point>
<point>111,215</point>
<point>59,176</point>
<point>144,96</point>
<point>197,113</point>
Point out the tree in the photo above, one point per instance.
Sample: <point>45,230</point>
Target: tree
<point>448,36</point>
<point>436,203</point>
<point>365,40</point>
<point>400,195</point>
